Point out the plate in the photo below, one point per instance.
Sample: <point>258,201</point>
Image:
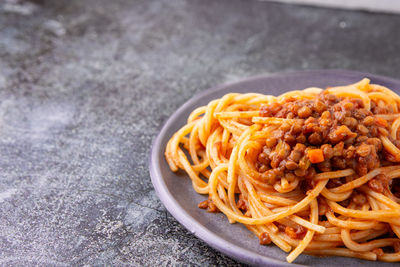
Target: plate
<point>175,189</point>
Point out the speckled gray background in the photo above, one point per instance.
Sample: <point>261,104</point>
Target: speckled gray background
<point>86,85</point>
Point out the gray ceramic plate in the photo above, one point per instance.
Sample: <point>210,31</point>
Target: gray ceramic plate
<point>176,192</point>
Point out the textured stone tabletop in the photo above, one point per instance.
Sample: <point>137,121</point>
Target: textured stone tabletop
<point>86,85</point>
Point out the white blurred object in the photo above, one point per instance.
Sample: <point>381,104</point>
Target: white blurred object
<point>19,7</point>
<point>54,27</point>
<point>390,6</point>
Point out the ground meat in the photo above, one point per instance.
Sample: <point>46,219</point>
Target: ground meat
<point>315,138</point>
<point>209,205</point>
<point>203,204</point>
<point>295,155</point>
<point>290,232</point>
<point>349,153</point>
<point>380,183</point>
<point>363,150</point>
<point>325,166</point>
<point>301,139</point>
<point>378,251</point>
<point>304,112</point>
<point>212,207</point>
<point>265,239</point>
<point>350,122</point>
<point>340,133</point>
<point>311,172</point>
<point>338,149</point>
<point>295,233</point>
<point>242,203</point>
<point>368,121</point>
<point>263,158</point>
<point>362,130</point>
<point>291,165</point>
<point>376,142</point>
<point>327,150</point>
<point>346,132</point>
<point>334,183</point>
<point>359,199</point>
<point>271,142</point>
<point>339,163</point>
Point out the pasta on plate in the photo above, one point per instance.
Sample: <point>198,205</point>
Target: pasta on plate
<point>313,171</point>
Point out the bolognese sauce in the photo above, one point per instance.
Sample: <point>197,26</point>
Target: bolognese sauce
<point>339,132</point>
<point>311,170</point>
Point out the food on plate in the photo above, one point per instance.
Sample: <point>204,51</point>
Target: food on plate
<point>313,171</point>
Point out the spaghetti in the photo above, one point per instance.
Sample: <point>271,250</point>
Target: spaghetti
<point>313,171</point>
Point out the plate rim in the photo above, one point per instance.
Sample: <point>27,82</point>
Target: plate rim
<point>175,209</point>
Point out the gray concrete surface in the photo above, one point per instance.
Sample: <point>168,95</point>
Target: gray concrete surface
<point>86,85</point>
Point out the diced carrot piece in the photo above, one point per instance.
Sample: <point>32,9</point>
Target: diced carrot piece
<point>381,122</point>
<point>315,155</point>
